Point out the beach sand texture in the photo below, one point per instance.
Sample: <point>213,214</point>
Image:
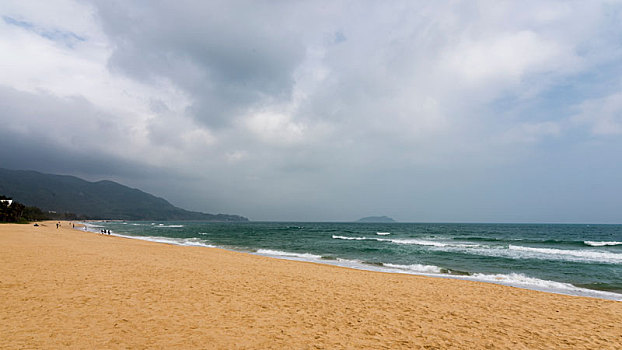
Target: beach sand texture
<point>63,288</point>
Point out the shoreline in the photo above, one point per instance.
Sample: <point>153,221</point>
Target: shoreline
<point>64,288</point>
<point>517,281</point>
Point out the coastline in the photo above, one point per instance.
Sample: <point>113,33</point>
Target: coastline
<point>67,288</point>
<point>509,278</point>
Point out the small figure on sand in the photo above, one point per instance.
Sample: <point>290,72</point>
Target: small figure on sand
<point>57,224</point>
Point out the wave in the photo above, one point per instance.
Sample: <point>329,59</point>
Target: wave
<point>511,279</point>
<point>601,244</point>
<point>484,239</point>
<point>408,241</point>
<point>433,243</point>
<point>536,241</point>
<point>418,242</point>
<point>282,254</point>
<point>354,238</point>
<point>188,242</point>
<point>511,251</point>
<point>166,226</point>
<point>416,268</point>
<point>566,254</point>
<point>383,233</point>
<point>539,241</point>
<point>516,252</point>
<point>523,281</point>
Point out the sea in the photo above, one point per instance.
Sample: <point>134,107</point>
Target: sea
<point>576,259</point>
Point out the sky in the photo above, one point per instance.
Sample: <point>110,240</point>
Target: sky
<point>424,111</point>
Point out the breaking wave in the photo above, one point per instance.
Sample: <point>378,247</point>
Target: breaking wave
<point>566,254</point>
<point>601,244</point>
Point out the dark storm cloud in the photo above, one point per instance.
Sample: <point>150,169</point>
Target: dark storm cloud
<point>227,56</point>
<point>20,152</point>
<point>47,133</point>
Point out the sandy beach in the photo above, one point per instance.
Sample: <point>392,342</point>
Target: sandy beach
<point>64,288</point>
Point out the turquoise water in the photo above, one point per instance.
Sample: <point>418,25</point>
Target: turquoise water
<point>569,259</point>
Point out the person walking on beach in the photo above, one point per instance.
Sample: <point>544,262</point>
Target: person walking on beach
<point>57,224</point>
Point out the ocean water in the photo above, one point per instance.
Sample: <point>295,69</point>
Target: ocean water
<point>569,259</point>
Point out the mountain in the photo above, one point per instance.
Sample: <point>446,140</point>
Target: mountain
<point>94,200</point>
<point>379,219</point>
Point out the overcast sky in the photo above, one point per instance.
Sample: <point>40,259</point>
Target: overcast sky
<point>443,111</point>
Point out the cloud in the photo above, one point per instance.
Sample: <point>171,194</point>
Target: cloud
<point>317,110</point>
<point>227,56</point>
<point>507,57</point>
<point>603,116</point>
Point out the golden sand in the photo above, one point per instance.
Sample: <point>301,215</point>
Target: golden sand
<point>62,288</point>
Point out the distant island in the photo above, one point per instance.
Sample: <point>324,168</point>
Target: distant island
<point>377,219</point>
<point>60,194</point>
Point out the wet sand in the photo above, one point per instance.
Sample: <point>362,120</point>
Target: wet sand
<point>66,288</point>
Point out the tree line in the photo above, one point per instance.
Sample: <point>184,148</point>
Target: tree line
<point>16,212</point>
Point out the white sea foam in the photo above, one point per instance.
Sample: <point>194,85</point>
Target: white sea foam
<point>523,281</point>
<point>354,238</point>
<point>418,242</point>
<point>191,242</point>
<point>383,233</point>
<point>282,254</point>
<point>520,279</point>
<point>434,243</point>
<point>398,241</point>
<point>416,268</point>
<point>409,241</point>
<point>166,226</point>
<point>601,244</point>
<point>196,242</point>
<point>566,254</point>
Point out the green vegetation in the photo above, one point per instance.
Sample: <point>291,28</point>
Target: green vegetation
<point>93,200</point>
<point>11,212</point>
<point>16,212</point>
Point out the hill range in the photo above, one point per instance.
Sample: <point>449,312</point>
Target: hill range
<point>94,200</point>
